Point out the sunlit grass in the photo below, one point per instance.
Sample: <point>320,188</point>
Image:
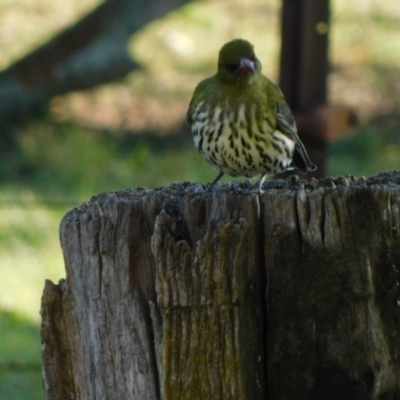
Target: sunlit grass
<point>29,254</point>
<point>26,24</point>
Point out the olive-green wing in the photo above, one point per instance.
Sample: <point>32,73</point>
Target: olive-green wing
<point>197,95</point>
<point>287,124</point>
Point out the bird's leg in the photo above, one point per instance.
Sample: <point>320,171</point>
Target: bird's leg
<point>258,185</point>
<point>214,182</point>
<point>261,182</point>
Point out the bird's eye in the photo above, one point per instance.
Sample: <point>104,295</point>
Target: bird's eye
<point>230,67</point>
<point>252,57</point>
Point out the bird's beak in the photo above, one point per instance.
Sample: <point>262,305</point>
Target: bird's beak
<point>246,65</point>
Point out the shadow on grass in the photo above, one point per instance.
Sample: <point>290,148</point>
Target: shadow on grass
<point>64,161</point>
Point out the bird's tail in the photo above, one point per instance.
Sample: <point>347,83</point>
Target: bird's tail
<point>301,159</point>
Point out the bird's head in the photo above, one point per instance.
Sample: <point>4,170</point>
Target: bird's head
<point>237,62</point>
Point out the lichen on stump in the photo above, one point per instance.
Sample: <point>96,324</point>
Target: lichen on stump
<point>174,293</point>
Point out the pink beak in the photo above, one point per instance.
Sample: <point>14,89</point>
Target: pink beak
<point>246,65</point>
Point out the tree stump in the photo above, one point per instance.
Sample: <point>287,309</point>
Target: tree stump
<point>175,293</point>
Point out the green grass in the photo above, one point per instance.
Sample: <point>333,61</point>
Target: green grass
<point>29,254</point>
<point>18,341</point>
<point>21,384</point>
<point>20,369</point>
<point>375,147</point>
<point>66,162</point>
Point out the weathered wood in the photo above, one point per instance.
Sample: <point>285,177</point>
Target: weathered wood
<point>334,297</point>
<point>175,293</point>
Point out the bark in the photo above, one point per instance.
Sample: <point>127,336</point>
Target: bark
<point>91,52</point>
<point>175,293</point>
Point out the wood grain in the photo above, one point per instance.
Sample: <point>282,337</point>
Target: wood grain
<point>176,293</point>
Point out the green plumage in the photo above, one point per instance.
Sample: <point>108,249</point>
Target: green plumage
<point>240,120</point>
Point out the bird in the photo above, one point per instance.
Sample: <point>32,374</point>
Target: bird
<point>240,121</point>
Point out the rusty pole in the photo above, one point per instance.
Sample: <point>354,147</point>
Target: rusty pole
<point>304,69</point>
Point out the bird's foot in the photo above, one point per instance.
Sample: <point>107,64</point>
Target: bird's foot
<point>257,187</point>
<point>254,188</point>
<point>210,189</point>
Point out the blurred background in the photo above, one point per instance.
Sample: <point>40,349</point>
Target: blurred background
<point>100,106</point>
